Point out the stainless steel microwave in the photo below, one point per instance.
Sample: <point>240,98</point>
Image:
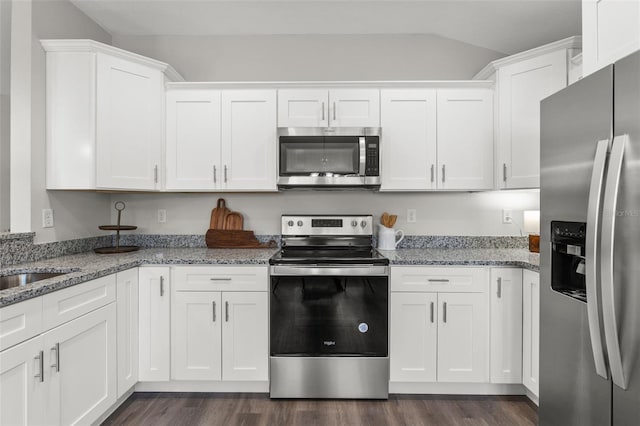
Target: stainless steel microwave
<point>329,158</point>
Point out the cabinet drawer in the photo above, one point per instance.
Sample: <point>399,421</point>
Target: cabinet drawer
<point>65,305</point>
<point>219,278</point>
<point>20,322</point>
<point>436,279</point>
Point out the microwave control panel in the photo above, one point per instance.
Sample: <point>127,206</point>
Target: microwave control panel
<point>372,164</point>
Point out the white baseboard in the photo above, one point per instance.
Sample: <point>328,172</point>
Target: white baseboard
<point>204,386</point>
<point>532,396</point>
<point>456,388</point>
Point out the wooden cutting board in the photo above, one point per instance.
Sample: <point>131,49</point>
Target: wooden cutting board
<point>233,221</point>
<point>216,238</point>
<point>218,214</point>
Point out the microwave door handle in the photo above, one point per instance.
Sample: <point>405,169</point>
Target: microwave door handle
<point>363,155</point>
<point>591,247</point>
<point>608,233</point>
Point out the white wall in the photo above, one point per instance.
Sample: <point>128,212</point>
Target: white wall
<point>76,214</point>
<point>313,57</point>
<point>478,213</point>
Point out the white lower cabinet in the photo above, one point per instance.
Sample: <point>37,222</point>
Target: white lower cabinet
<point>437,335</point>
<point>506,325</point>
<point>155,320</point>
<point>530,330</point>
<point>127,320</point>
<point>220,335</point>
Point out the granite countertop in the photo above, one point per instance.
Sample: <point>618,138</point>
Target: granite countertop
<point>87,266</point>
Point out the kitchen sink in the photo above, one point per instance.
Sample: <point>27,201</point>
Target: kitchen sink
<point>15,280</point>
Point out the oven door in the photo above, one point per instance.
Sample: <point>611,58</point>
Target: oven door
<point>329,315</point>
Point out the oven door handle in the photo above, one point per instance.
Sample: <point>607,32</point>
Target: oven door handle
<point>341,270</point>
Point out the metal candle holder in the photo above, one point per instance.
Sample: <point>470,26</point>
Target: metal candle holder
<point>119,206</point>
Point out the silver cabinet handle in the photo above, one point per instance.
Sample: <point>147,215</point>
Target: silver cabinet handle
<point>438,280</point>
<point>432,306</point>
<point>40,359</point>
<point>504,172</point>
<point>155,173</point>
<point>334,111</point>
<point>225,173</point>
<point>226,311</point>
<point>591,275</point>
<point>499,292</point>
<point>220,279</point>
<point>608,233</point>
<point>443,173</point>
<point>433,173</point>
<point>323,111</point>
<point>444,312</point>
<point>215,172</point>
<point>214,310</point>
<point>161,286</point>
<point>56,348</point>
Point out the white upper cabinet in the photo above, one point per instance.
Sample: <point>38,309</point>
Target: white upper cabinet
<point>522,81</point>
<point>465,139</point>
<point>610,31</point>
<point>249,140</point>
<point>437,139</point>
<point>328,108</point>
<point>409,149</point>
<point>104,117</point>
<point>193,140</point>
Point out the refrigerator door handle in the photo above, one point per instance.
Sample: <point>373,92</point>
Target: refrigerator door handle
<point>608,233</point>
<point>593,221</point>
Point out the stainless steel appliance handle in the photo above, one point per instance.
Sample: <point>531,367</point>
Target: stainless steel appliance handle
<point>432,306</point>
<point>591,248</point>
<point>161,286</point>
<point>56,348</point>
<point>343,270</point>
<point>226,311</point>
<point>363,155</point>
<point>444,312</point>
<point>40,359</point>
<point>499,292</point>
<point>213,304</point>
<point>607,245</point>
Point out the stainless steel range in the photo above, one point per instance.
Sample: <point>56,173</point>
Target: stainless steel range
<point>329,310</point>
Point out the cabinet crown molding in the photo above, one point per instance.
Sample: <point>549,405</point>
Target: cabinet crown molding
<point>408,84</point>
<point>574,42</point>
<point>86,45</point>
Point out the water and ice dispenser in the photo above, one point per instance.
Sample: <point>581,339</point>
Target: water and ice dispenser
<point>568,258</point>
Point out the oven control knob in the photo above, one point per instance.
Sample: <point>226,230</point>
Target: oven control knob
<point>363,223</point>
<point>299,223</point>
<point>354,223</point>
<point>290,223</point>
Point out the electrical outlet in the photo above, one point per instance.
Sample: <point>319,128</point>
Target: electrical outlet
<point>412,215</point>
<point>507,216</point>
<point>47,218</point>
<point>162,215</point>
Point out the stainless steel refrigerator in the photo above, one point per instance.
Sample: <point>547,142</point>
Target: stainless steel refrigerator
<point>590,250</point>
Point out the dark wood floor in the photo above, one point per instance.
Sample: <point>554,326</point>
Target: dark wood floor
<point>257,409</point>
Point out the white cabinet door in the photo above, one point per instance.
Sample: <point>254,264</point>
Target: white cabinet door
<point>155,323</point>
<point>414,331</point>
<point>408,144</point>
<point>462,337</point>
<point>530,330</point>
<point>129,125</point>
<point>354,107</point>
<point>197,335</point>
<point>521,87</point>
<point>506,325</point>
<point>303,108</point>
<point>245,342</point>
<point>193,140</point>
<point>249,140</point>
<point>610,31</point>
<point>81,358</point>
<point>22,389</point>
<point>127,318</point>
<point>465,139</point>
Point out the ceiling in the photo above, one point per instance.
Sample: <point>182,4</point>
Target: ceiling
<point>506,26</point>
